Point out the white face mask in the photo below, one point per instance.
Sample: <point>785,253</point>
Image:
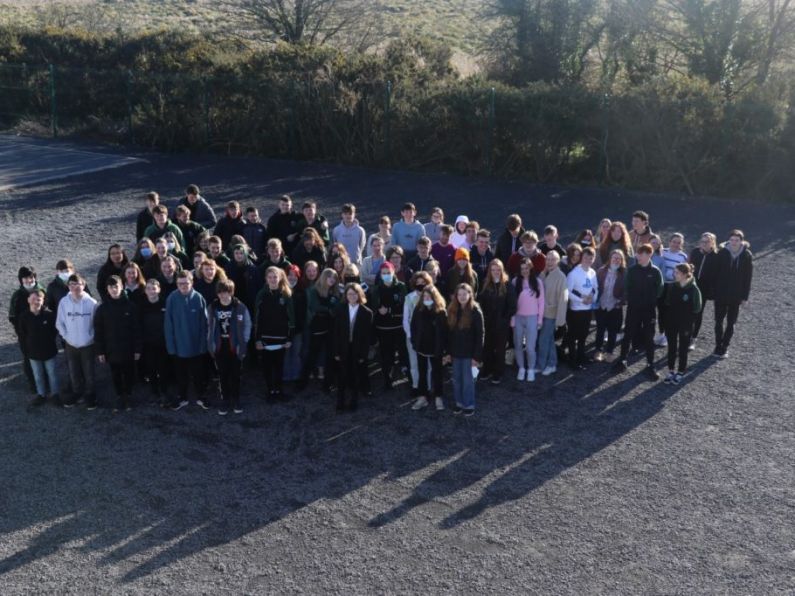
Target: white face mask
<point>29,286</point>
<point>613,267</point>
<point>292,283</point>
<point>64,276</point>
<point>428,303</point>
<point>171,246</point>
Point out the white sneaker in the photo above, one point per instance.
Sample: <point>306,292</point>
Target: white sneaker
<point>549,370</point>
<point>692,346</point>
<point>520,375</point>
<point>439,404</point>
<point>531,376</point>
<point>660,340</point>
<point>422,402</point>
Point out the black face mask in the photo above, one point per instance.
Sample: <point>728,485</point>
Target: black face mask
<point>350,280</point>
<point>419,288</point>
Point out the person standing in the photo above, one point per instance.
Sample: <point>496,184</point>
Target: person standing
<point>671,257</point>
<point>75,324</point>
<point>275,324</point>
<point>229,331</point>
<point>186,340</point>
<point>641,231</point>
<point>556,300</point>
<point>461,272</point>
<point>200,210</point>
<point>161,225</point>
<point>480,256</point>
<point>683,302</point>
<point>419,281</point>
<point>433,227</point>
<point>118,340</point>
<point>322,302</point>
<point>429,342</point>
<point>610,308</point>
<point>509,241</point>
<point>312,219</point>
<point>28,282</point>
<point>443,251</point>
<point>583,296</point>
<point>371,266</point>
<point>735,269</point>
<point>190,229</point>
<point>229,225</point>
<point>37,335</point>
<point>643,287</point>
<point>465,338</point>
<point>351,341</point>
<point>155,358</point>
<point>388,297</point>
<point>704,259</point>
<point>115,264</point>
<point>528,319</point>
<point>144,218</point>
<point>350,234</point>
<point>407,232</point>
<point>497,301</point>
<point>285,223</point>
<point>528,250</point>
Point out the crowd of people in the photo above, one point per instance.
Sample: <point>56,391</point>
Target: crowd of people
<point>202,299</point>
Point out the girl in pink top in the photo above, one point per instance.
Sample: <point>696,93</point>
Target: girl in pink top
<point>528,319</point>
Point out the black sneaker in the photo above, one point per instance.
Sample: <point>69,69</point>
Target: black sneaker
<point>620,366</point>
<point>457,409</point>
<point>37,401</point>
<point>69,402</point>
<point>91,404</point>
<point>718,352</point>
<point>469,412</point>
<point>652,374</point>
<point>724,353</point>
<point>496,380</point>
<point>56,400</point>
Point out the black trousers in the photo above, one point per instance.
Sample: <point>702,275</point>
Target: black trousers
<point>678,344</point>
<point>494,346</point>
<point>191,369</point>
<point>123,375</point>
<point>639,327</point>
<point>579,324</point>
<point>390,342</point>
<point>437,370</point>
<point>156,364</point>
<point>320,343</point>
<point>728,313</point>
<point>698,318</point>
<point>273,369</point>
<point>229,366</point>
<point>662,309</point>
<point>351,375</point>
<point>610,321</point>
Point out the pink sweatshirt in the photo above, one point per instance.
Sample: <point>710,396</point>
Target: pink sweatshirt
<point>528,304</point>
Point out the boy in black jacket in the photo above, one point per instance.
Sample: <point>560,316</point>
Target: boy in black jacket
<point>155,358</point>
<point>28,281</point>
<point>117,336</point>
<point>643,287</point>
<point>735,268</point>
<point>37,334</point>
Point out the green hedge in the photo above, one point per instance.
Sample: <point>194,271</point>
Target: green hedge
<point>404,108</point>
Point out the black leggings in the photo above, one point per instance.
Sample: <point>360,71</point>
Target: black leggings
<point>610,321</point>
<point>319,343</point>
<point>494,346</point>
<point>678,344</point>
<point>273,368</point>
<point>156,364</point>
<point>391,341</point>
<point>229,376</point>
<point>698,318</point>
<point>728,313</point>
<point>579,323</point>
<point>194,368</point>
<point>123,374</point>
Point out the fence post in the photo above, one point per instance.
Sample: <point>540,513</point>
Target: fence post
<point>206,104</point>
<point>387,122</point>
<point>490,137</point>
<point>128,90</point>
<point>53,105</point>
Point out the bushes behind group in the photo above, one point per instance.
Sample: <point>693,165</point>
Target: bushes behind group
<point>404,107</point>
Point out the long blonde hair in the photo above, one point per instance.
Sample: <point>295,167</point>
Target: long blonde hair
<point>284,285</point>
<point>489,284</point>
<point>321,285</point>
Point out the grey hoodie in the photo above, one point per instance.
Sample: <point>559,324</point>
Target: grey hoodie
<point>352,238</point>
<point>75,320</point>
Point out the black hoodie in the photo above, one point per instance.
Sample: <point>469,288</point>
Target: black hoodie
<point>117,330</point>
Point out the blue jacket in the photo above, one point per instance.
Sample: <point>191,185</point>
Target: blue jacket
<point>239,329</point>
<point>186,324</point>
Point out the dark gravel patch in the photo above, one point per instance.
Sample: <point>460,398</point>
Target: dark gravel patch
<point>587,484</point>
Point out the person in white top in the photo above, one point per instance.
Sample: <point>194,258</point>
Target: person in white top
<point>583,297</point>
<point>459,238</point>
<point>75,323</point>
<point>419,281</point>
<point>671,257</point>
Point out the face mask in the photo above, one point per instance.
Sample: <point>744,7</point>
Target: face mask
<point>351,280</point>
<point>146,252</point>
<point>292,283</point>
<point>171,246</point>
<point>387,277</point>
<point>419,289</point>
<point>29,286</point>
<point>428,303</point>
<point>64,276</point>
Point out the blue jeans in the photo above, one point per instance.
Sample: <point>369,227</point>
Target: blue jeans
<point>547,350</point>
<point>293,360</point>
<point>44,372</point>
<point>463,383</point>
<point>525,328</point>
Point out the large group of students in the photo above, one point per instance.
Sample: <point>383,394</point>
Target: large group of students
<point>201,300</point>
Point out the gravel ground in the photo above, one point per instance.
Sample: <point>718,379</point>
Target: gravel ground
<point>591,484</point>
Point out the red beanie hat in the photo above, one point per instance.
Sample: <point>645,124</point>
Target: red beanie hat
<point>461,253</point>
<point>387,265</point>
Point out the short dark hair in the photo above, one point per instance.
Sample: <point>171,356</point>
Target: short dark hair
<point>182,209</point>
<point>738,233</point>
<point>285,199</point>
<point>641,215</point>
<point>64,264</point>
<point>423,241</point>
<point>349,208</point>
<point>251,209</point>
<point>588,250</point>
<point>185,274</point>
<point>153,196</point>
<point>113,280</point>
<point>446,229</point>
<point>550,229</point>
<point>514,222</point>
<point>645,249</point>
<point>76,277</point>
<point>192,189</point>
<point>226,285</point>
<point>233,205</point>
<point>309,205</point>
<point>160,209</point>
<point>483,233</point>
<point>408,207</point>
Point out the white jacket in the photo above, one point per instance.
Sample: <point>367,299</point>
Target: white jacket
<point>75,320</point>
<point>581,284</point>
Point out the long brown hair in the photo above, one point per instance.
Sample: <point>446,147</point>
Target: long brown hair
<point>626,242</point>
<point>499,287</point>
<point>460,317</point>
<point>283,286</point>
